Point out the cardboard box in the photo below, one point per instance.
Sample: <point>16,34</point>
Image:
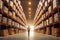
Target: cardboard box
<point>4,33</point>
<point>49,9</point>
<point>12,23</point>
<point>44,23</point>
<point>5,9</point>
<point>50,20</point>
<point>18,25</point>
<point>44,15</point>
<point>14,15</point>
<point>53,31</point>
<point>48,30</point>
<point>47,22</point>
<point>15,24</point>
<point>47,13</point>
<point>9,21</point>
<point>19,2</point>
<point>10,13</point>
<point>16,30</point>
<point>0,18</point>
<point>7,1</point>
<point>56,17</point>
<point>14,1</point>
<point>14,7</point>
<point>49,1</point>
<point>4,20</point>
<point>1,4</point>
<point>11,3</point>
<point>56,3</point>
<point>56,31</point>
<point>46,3</point>
<point>11,31</point>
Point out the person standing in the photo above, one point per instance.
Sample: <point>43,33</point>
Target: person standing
<point>28,31</point>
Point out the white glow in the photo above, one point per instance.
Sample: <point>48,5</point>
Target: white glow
<point>32,28</point>
<point>31,31</point>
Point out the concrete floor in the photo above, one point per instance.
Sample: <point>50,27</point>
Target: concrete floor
<point>33,36</point>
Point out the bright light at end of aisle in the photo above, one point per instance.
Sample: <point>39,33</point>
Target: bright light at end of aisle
<point>31,31</point>
<point>31,27</point>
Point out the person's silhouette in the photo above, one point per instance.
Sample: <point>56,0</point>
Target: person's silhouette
<point>28,31</point>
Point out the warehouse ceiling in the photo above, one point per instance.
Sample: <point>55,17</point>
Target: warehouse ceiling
<point>29,8</point>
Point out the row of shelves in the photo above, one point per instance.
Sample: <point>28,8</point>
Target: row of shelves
<point>8,22</point>
<point>53,30</point>
<point>46,12</point>
<point>42,6</point>
<point>46,16</point>
<point>8,11</point>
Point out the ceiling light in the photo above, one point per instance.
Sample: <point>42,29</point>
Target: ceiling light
<point>29,8</point>
<point>29,3</point>
<point>29,15</point>
<point>29,12</point>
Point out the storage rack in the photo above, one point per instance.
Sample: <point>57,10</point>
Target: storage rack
<point>48,17</point>
<point>11,15</point>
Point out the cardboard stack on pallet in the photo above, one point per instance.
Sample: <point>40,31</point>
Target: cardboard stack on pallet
<point>56,31</point>
<point>4,32</point>
<point>48,30</point>
<point>11,31</point>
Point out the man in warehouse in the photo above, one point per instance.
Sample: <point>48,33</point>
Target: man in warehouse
<point>28,30</point>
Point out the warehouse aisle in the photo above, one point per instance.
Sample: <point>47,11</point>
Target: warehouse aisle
<point>33,36</point>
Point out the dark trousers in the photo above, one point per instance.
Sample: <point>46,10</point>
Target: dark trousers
<point>28,33</point>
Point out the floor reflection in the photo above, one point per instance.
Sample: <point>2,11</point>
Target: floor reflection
<point>33,36</point>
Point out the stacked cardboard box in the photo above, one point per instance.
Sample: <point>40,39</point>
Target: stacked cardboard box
<point>16,30</point>
<point>46,13</point>
<point>56,17</point>
<point>0,18</point>
<point>4,20</point>
<point>10,13</point>
<point>56,3</point>
<point>11,3</point>
<point>49,1</point>
<point>53,30</point>
<point>56,31</point>
<point>47,22</point>
<point>5,32</point>
<point>12,23</point>
<point>9,21</point>
<point>48,30</point>
<point>49,9</point>
<point>1,4</point>
<point>14,7</point>
<point>5,9</point>
<point>15,23</point>
<point>14,15</point>
<point>50,20</point>
<point>7,1</point>
<point>11,31</point>
<point>45,3</point>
